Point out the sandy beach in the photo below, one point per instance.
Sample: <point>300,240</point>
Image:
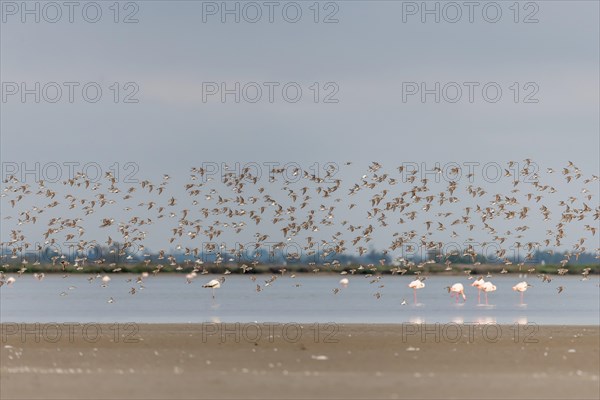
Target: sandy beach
<point>193,361</point>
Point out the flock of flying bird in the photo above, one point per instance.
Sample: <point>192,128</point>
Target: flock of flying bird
<point>416,212</point>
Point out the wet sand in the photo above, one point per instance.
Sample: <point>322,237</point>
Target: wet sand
<point>194,361</point>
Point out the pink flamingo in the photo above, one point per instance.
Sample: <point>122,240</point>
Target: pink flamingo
<point>457,290</point>
<point>521,287</point>
<point>478,283</point>
<point>488,287</point>
<point>214,284</point>
<point>414,285</point>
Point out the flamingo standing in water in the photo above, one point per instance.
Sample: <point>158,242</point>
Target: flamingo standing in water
<point>521,287</point>
<point>214,284</point>
<point>488,287</point>
<point>478,283</point>
<point>457,290</point>
<point>414,285</point>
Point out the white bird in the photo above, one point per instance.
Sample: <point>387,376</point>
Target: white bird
<point>488,287</point>
<point>457,290</point>
<point>190,277</point>
<point>344,282</point>
<point>10,281</point>
<point>521,287</point>
<point>414,285</point>
<point>213,284</point>
<point>478,284</point>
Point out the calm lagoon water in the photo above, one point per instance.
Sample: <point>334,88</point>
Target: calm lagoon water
<point>169,299</point>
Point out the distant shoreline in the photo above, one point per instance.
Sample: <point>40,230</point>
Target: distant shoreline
<point>431,269</point>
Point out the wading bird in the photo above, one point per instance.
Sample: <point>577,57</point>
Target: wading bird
<point>457,290</point>
<point>414,285</point>
<point>488,287</point>
<point>521,287</point>
<point>478,284</point>
<point>214,284</point>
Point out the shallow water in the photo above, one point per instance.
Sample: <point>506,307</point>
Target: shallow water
<point>169,299</point>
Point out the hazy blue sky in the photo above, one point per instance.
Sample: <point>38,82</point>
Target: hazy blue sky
<point>375,51</point>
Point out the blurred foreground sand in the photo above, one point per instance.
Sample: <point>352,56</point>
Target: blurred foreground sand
<point>193,361</point>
